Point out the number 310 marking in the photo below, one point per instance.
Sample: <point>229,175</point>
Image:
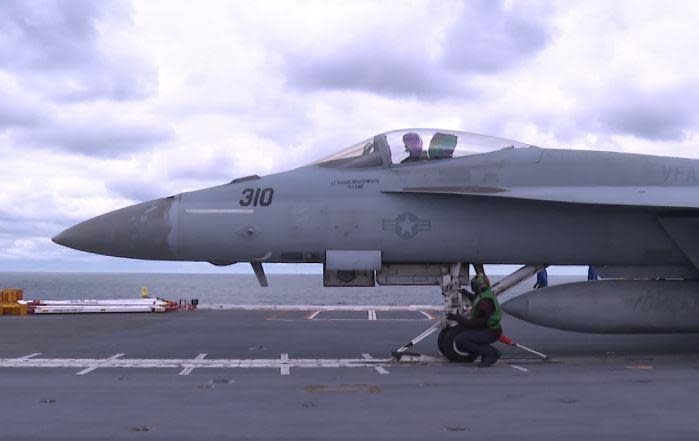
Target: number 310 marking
<point>255,197</point>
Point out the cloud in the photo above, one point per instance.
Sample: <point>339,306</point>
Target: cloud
<point>59,47</point>
<point>490,36</point>
<point>138,189</point>
<point>93,137</point>
<point>653,115</point>
<point>117,79</point>
<point>15,113</point>
<point>378,70</point>
<point>401,57</point>
<point>61,64</point>
<point>162,175</point>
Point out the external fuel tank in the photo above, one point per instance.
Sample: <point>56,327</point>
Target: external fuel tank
<point>612,306</point>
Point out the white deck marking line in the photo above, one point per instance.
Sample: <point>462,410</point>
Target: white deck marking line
<point>27,357</point>
<point>348,319</point>
<point>188,368</point>
<point>519,368</point>
<point>220,211</point>
<point>427,314</point>
<point>321,308</point>
<point>378,368</point>
<point>372,314</point>
<point>90,364</point>
<point>313,315</point>
<point>285,370</point>
<point>99,364</point>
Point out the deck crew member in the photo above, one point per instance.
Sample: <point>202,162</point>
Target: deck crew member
<point>482,325</point>
<point>542,279</point>
<point>592,273</point>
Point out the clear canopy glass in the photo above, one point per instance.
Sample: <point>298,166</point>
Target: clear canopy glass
<point>415,146</point>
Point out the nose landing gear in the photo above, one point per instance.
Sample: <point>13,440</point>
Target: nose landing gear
<point>457,300</point>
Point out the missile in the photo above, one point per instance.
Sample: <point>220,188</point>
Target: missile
<point>612,306</point>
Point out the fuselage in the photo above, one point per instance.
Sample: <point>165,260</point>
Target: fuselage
<point>296,216</point>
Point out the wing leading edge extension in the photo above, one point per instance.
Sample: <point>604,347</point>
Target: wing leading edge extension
<point>677,197</point>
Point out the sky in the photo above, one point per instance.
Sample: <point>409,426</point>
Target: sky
<point>108,103</point>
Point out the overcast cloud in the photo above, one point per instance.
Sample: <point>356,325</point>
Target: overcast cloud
<point>93,137</point>
<point>65,49</point>
<point>108,103</point>
<point>430,53</point>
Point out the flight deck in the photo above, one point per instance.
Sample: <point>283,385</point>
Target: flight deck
<point>317,373</point>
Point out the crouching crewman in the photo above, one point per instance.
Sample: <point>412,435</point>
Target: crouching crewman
<point>482,325</point>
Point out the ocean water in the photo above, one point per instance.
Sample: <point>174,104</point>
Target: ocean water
<point>284,289</point>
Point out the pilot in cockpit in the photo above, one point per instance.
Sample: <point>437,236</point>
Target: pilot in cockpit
<point>413,145</point>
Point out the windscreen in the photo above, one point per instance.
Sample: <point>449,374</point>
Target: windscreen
<point>365,154</point>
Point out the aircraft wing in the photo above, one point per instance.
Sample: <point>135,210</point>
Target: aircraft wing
<point>678,197</point>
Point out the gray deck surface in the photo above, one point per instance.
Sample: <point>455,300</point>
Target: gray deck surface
<point>598,387</point>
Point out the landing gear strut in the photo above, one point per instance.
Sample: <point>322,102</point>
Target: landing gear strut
<point>455,301</point>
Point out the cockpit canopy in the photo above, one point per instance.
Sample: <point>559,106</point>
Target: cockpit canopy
<point>414,146</point>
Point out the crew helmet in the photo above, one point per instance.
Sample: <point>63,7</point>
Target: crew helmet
<point>413,143</point>
<point>479,283</point>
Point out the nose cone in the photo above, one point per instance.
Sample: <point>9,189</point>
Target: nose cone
<point>143,231</point>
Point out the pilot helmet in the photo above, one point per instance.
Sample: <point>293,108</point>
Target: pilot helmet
<point>413,143</point>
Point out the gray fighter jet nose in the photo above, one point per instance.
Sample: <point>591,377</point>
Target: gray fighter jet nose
<point>143,231</point>
<point>61,239</point>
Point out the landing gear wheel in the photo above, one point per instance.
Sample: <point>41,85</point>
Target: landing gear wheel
<point>447,346</point>
<point>441,341</point>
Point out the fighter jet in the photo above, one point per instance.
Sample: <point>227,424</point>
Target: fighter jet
<point>417,206</point>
